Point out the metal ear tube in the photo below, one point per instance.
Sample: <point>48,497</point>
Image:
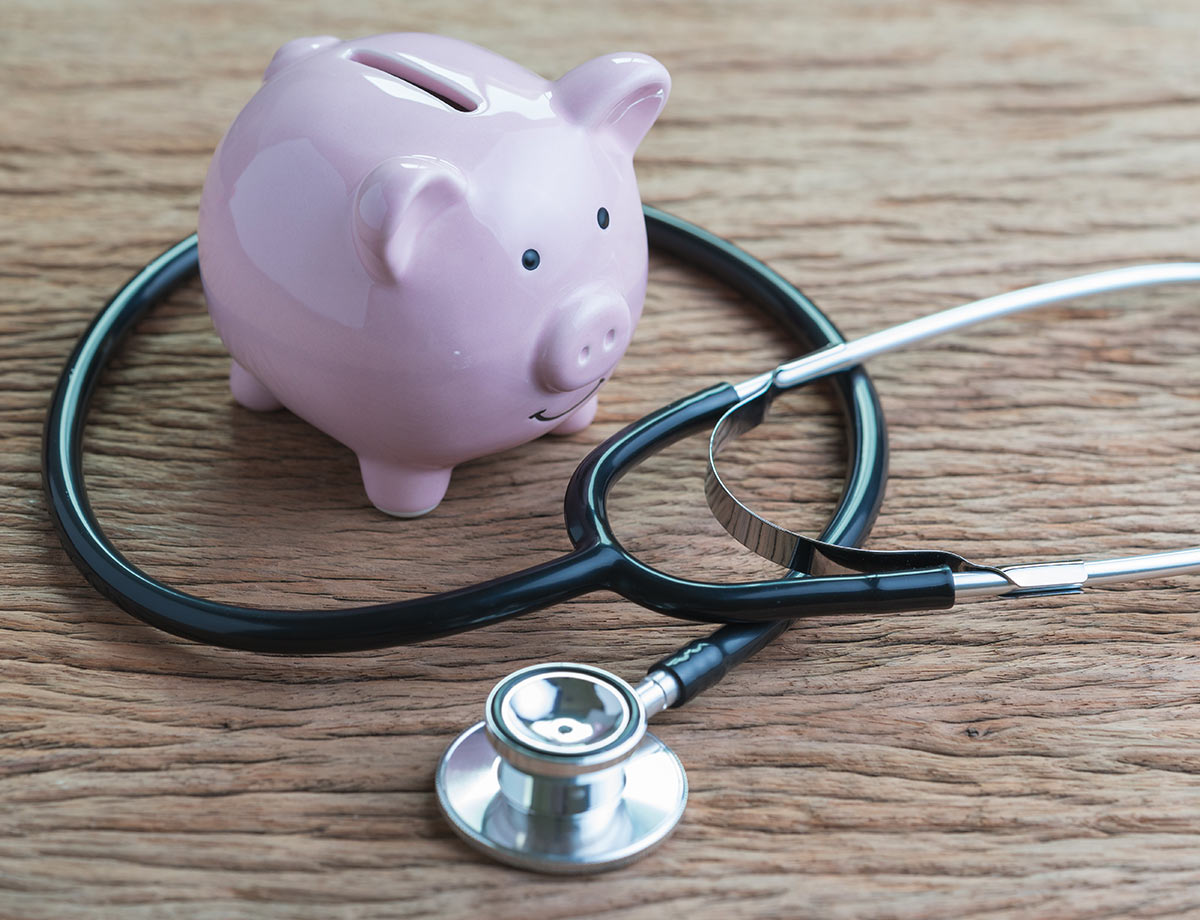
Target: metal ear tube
<point>970,580</point>
<point>562,776</point>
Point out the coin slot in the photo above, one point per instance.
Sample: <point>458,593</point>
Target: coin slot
<point>418,75</point>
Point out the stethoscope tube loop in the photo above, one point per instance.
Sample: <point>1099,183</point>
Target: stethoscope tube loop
<point>597,559</point>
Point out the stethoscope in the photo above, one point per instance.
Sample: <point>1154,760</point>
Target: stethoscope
<point>562,775</point>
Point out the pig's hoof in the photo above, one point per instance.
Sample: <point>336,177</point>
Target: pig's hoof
<point>248,391</point>
<point>403,491</point>
<point>579,419</point>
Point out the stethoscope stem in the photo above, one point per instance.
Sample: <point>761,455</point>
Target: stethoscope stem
<point>658,690</point>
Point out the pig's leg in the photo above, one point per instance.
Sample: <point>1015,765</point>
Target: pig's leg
<point>403,491</point>
<point>249,391</point>
<point>580,418</point>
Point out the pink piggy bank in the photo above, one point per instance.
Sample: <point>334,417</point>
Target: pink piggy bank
<point>427,251</point>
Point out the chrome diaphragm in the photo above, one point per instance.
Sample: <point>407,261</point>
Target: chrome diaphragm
<point>562,776</point>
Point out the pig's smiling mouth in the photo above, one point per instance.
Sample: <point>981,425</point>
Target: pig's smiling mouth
<point>541,416</point>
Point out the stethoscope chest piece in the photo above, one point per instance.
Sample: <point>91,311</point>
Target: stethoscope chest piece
<point>562,776</point>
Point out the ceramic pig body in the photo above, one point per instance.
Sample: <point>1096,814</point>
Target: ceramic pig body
<point>427,251</point>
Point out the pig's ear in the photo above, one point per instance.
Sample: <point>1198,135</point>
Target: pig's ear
<point>296,49</point>
<point>618,94</point>
<point>395,203</point>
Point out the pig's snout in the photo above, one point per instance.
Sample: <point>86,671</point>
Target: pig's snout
<point>584,341</point>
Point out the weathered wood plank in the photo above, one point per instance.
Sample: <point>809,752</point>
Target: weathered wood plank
<point>1001,759</point>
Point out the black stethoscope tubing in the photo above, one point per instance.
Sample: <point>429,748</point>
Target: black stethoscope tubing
<point>757,611</point>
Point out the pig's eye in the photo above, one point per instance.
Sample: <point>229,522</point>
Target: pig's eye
<point>531,259</point>
<point>602,218</point>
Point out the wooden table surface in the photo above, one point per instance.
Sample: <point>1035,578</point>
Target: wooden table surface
<point>1003,759</point>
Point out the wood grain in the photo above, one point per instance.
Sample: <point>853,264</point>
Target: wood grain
<point>1003,759</point>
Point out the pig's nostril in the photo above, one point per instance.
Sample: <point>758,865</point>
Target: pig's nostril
<point>583,342</point>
